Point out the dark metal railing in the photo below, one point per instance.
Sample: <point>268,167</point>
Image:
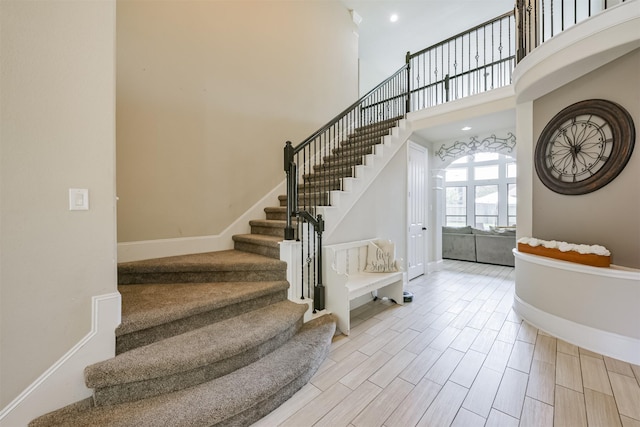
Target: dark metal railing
<point>316,166</point>
<point>540,20</point>
<point>476,60</point>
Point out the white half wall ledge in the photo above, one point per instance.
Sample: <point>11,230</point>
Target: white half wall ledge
<point>478,105</point>
<point>148,249</point>
<point>592,307</point>
<point>63,383</point>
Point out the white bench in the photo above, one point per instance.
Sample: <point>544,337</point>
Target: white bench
<point>345,279</point>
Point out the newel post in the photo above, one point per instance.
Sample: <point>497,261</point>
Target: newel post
<point>318,290</point>
<point>408,61</point>
<point>290,169</point>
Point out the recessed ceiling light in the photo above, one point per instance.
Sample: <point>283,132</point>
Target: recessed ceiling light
<point>466,128</point>
<point>393,18</point>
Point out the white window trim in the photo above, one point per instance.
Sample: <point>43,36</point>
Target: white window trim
<point>502,182</point>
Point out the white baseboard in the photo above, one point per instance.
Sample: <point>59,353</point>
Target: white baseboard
<point>147,249</point>
<point>607,343</point>
<point>63,383</point>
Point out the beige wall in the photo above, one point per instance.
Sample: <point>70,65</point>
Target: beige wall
<point>57,132</point>
<point>609,216</point>
<point>207,94</point>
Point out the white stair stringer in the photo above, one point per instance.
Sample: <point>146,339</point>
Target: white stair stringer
<point>342,201</point>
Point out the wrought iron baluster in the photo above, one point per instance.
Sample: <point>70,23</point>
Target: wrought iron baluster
<point>310,279</point>
<point>551,25</point>
<point>469,83</point>
<point>543,20</point>
<point>538,35</point>
<point>442,93</point>
<point>446,88</point>
<point>477,86</point>
<point>455,69</point>
<point>314,275</point>
<point>484,42</point>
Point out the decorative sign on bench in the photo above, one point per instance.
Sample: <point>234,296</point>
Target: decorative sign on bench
<point>358,268</point>
<point>593,255</point>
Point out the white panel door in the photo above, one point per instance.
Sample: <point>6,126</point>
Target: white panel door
<point>417,210</point>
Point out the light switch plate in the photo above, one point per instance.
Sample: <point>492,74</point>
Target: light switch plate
<point>78,199</point>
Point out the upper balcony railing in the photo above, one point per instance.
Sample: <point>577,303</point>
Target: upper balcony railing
<point>539,20</point>
<point>477,60</point>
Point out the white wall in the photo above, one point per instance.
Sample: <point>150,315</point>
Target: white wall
<point>382,210</point>
<point>57,132</point>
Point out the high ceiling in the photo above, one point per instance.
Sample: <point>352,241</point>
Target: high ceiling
<point>421,23</point>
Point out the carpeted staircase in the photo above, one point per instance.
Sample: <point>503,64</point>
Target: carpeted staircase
<point>211,339</point>
<point>317,185</point>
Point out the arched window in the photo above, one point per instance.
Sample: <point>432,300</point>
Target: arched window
<point>480,190</point>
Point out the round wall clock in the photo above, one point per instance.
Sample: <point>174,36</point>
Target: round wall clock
<point>584,147</point>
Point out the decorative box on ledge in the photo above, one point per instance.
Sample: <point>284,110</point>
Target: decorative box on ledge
<point>596,255</point>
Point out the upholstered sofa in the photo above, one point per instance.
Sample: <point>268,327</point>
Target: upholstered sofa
<point>470,244</point>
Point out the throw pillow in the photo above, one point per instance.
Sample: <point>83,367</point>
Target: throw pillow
<point>381,257</point>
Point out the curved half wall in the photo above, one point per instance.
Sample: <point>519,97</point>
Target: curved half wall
<point>594,308</point>
<point>577,51</point>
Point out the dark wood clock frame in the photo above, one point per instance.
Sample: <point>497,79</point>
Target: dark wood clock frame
<point>555,137</point>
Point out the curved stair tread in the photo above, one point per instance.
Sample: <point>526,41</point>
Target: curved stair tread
<point>145,306</point>
<point>229,260</point>
<point>276,209</point>
<point>200,347</point>
<point>239,398</point>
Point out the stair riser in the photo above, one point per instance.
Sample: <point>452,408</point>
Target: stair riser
<point>364,139</point>
<point>319,187</point>
<point>268,231</point>
<point>350,150</point>
<point>321,201</point>
<point>357,145</point>
<point>389,123</point>
<point>150,335</point>
<point>328,176</point>
<point>278,216</point>
<point>142,389</point>
<point>202,277</point>
<point>267,251</point>
<point>341,165</point>
<point>351,155</point>
<point>372,132</point>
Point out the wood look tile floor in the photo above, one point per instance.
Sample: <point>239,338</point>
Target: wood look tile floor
<point>459,356</point>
